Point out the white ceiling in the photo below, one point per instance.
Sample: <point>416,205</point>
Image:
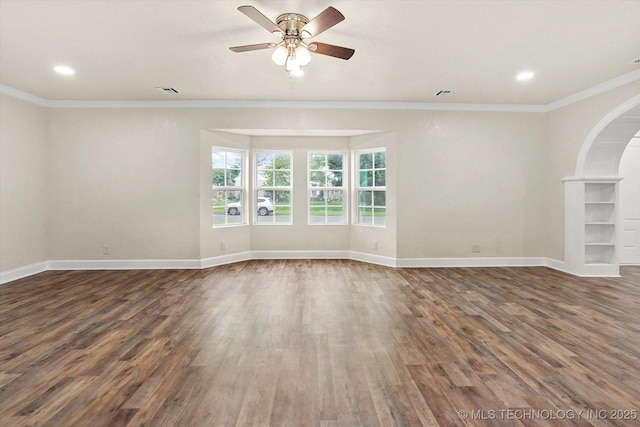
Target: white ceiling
<point>406,51</point>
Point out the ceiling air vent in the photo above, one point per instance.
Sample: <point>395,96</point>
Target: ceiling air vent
<point>636,61</point>
<point>169,90</point>
<point>445,93</point>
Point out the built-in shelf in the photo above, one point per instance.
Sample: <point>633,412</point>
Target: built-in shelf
<point>591,225</point>
<point>599,216</point>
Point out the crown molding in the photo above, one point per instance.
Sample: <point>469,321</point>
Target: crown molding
<point>595,90</point>
<point>24,96</point>
<point>335,105</point>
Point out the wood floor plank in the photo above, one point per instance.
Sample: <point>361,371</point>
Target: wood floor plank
<point>328,343</point>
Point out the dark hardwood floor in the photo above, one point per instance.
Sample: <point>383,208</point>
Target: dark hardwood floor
<point>320,343</point>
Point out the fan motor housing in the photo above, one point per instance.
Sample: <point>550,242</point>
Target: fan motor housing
<point>292,23</point>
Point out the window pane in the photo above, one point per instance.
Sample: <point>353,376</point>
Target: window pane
<point>317,161</point>
<point>334,161</point>
<point>379,216</point>
<point>234,160</point>
<point>366,161</point>
<point>364,216</point>
<point>282,198</point>
<point>227,207</point>
<point>265,178</point>
<point>380,179</point>
<point>282,161</point>
<point>282,213</point>
<point>335,179</point>
<point>364,198</point>
<point>264,161</point>
<point>335,197</point>
<point>379,198</point>
<point>317,207</point>
<point>234,178</point>
<point>366,179</point>
<point>335,214</point>
<point>265,194</point>
<point>217,158</point>
<point>317,179</point>
<point>282,179</point>
<point>234,207</point>
<point>218,207</point>
<point>380,160</point>
<point>217,178</point>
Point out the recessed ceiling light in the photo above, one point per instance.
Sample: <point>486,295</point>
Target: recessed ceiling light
<point>64,70</point>
<point>525,75</point>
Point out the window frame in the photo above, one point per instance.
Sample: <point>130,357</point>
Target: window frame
<point>344,188</point>
<point>224,188</point>
<point>273,188</point>
<point>358,188</point>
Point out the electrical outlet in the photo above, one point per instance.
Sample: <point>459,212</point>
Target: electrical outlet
<point>475,248</point>
<point>105,250</point>
<point>223,246</point>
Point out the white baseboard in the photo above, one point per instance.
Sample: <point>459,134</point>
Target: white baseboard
<point>300,254</point>
<point>29,270</point>
<point>124,264</point>
<point>470,262</point>
<point>21,272</point>
<point>373,259</point>
<point>225,259</point>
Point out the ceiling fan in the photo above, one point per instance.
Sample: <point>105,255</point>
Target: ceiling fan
<point>293,50</point>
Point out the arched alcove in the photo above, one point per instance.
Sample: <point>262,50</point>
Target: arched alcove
<point>602,149</point>
<point>592,229</point>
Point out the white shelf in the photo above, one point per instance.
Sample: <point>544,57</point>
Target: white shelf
<point>591,225</point>
<point>599,217</point>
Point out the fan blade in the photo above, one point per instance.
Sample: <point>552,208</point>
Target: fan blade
<point>325,20</point>
<point>260,19</point>
<point>331,50</point>
<point>250,47</point>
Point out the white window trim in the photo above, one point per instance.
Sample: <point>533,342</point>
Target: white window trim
<point>356,186</point>
<point>344,188</point>
<point>244,188</point>
<point>256,188</point>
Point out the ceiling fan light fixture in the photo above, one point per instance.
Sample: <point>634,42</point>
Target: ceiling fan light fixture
<point>303,55</point>
<point>292,51</point>
<point>280,55</point>
<point>292,65</point>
